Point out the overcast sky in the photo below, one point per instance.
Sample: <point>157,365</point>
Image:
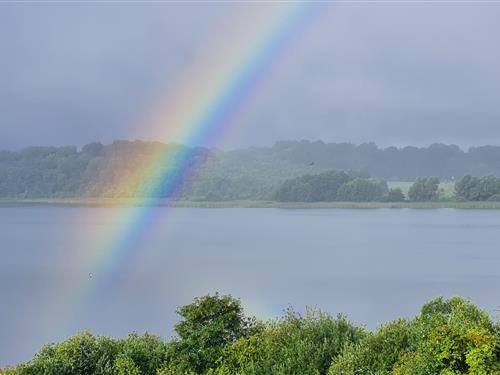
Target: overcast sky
<point>396,74</point>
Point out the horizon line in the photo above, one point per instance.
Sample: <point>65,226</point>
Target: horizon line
<point>240,148</point>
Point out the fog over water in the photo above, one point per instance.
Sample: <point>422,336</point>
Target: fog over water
<point>373,265</point>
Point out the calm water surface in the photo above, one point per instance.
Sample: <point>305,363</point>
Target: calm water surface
<point>57,276</point>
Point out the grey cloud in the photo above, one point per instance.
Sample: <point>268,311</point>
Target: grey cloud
<point>393,73</point>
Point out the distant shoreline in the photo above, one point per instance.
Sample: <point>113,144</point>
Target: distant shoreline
<point>132,202</point>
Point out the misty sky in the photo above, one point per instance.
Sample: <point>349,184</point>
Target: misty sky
<point>395,74</point>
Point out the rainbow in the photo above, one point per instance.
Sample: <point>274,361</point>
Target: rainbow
<point>202,105</point>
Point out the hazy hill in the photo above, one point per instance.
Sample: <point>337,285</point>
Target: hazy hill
<point>117,170</point>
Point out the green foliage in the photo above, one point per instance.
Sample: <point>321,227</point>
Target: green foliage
<point>293,344</point>
<point>331,186</point>
<point>460,338</point>
<point>77,355</point>
<point>208,325</point>
<point>86,354</point>
<point>494,198</point>
<point>377,353</point>
<point>125,366</point>
<point>448,337</point>
<point>424,189</point>
<point>146,352</point>
<point>251,174</point>
<point>478,188</point>
<point>395,195</point>
<point>361,190</point>
<point>171,369</point>
<point>321,187</point>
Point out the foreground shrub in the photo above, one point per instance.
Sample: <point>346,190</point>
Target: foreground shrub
<point>209,324</point>
<point>448,337</point>
<point>147,352</point>
<point>377,353</point>
<point>294,344</point>
<point>86,354</point>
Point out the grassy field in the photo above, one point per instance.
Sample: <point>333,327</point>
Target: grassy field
<point>116,202</point>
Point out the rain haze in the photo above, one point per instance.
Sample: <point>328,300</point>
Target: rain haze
<point>396,74</point>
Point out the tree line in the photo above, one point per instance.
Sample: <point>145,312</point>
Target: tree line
<point>350,187</point>
<point>331,186</point>
<point>215,337</point>
<point>256,173</point>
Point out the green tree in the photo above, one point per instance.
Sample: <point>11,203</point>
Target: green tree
<point>125,366</point>
<point>208,325</point>
<point>466,188</point>
<point>378,353</point>
<point>85,354</point>
<point>459,339</point>
<point>361,190</point>
<point>147,352</point>
<point>477,188</point>
<point>312,188</point>
<point>293,344</point>
<point>395,195</point>
<point>424,189</point>
<point>448,337</point>
<point>79,355</point>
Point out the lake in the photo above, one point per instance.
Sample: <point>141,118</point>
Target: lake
<point>64,269</point>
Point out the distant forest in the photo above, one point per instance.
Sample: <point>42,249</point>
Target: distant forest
<point>254,173</point>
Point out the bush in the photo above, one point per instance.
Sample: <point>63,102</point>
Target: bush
<point>377,353</point>
<point>293,344</point>
<point>86,354</point>
<point>146,353</point>
<point>448,337</point>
